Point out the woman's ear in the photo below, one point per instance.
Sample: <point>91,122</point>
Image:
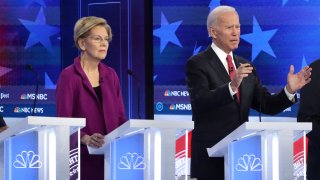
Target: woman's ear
<point>81,44</point>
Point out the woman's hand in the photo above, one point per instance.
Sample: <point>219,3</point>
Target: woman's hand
<point>95,140</point>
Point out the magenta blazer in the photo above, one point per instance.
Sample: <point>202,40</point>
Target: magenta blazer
<point>75,97</point>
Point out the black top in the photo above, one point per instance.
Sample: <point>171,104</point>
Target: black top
<point>2,122</point>
<point>98,92</point>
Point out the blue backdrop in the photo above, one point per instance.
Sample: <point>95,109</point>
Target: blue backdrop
<point>29,54</point>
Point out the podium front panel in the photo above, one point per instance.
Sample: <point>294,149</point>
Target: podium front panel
<point>267,156</point>
<point>245,159</point>
<point>41,152</point>
<point>127,159</point>
<point>22,160</point>
<point>150,154</point>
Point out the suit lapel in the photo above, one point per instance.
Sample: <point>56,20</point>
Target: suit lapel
<point>85,80</point>
<point>216,64</point>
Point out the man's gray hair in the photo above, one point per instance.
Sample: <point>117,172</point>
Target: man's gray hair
<point>215,13</point>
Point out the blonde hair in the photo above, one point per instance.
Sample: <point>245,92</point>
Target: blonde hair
<point>85,24</point>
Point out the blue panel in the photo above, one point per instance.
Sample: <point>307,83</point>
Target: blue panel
<point>245,159</point>
<point>22,160</point>
<point>127,161</point>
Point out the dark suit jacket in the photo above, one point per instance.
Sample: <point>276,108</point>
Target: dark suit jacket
<point>215,113</point>
<point>309,111</point>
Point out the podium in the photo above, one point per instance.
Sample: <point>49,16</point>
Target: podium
<point>145,149</point>
<point>37,147</point>
<point>272,157</point>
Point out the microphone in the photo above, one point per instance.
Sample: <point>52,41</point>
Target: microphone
<point>138,82</point>
<point>30,68</point>
<point>260,97</point>
<point>260,92</point>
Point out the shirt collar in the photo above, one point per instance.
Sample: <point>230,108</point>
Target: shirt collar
<point>221,55</point>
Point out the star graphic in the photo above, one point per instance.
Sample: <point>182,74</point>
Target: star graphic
<point>40,32</point>
<point>259,40</point>
<point>48,82</point>
<point>303,62</point>
<point>155,77</point>
<point>4,70</point>
<point>196,49</point>
<point>213,4</point>
<point>166,32</point>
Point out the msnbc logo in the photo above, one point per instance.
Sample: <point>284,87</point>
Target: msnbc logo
<point>180,107</point>
<point>33,96</point>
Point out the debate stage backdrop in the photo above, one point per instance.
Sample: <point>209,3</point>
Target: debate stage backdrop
<point>274,35</point>
<point>154,39</point>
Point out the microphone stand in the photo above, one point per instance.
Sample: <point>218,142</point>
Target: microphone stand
<point>29,67</point>
<point>36,94</point>
<point>260,94</point>
<point>138,82</point>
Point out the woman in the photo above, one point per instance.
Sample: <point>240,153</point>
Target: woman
<point>90,89</point>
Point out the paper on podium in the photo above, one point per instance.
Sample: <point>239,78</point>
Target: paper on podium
<point>94,150</point>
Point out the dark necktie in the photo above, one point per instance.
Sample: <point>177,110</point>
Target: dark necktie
<point>232,71</point>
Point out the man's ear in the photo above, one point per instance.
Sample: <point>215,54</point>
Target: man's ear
<point>213,32</point>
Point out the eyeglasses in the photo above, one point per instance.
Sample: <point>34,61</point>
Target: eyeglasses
<point>98,39</point>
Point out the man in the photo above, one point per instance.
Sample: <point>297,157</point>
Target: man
<point>309,111</point>
<point>220,104</point>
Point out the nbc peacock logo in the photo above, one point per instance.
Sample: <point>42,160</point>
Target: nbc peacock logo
<point>131,161</point>
<point>17,110</point>
<point>172,107</point>
<point>249,163</point>
<point>23,96</point>
<point>167,93</point>
<point>27,160</point>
